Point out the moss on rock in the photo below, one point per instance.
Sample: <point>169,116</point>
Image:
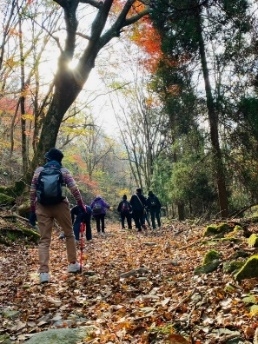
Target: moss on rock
<point>237,228</point>
<point>206,268</point>
<point>232,266</point>
<point>6,200</point>
<point>249,269</point>
<point>253,240</point>
<point>10,235</point>
<point>15,190</point>
<point>219,229</point>
<point>250,300</point>
<point>211,256</point>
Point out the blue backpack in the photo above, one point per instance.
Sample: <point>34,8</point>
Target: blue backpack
<point>49,187</point>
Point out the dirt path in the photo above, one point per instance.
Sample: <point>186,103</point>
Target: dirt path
<point>134,288</point>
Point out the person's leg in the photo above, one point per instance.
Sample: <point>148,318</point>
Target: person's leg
<point>153,219</point>
<point>76,230</point>
<point>147,219</point>
<point>129,221</point>
<point>88,227</point>
<point>97,218</point>
<point>142,220</point>
<point>62,214</point>
<point>102,219</point>
<point>158,218</point>
<point>45,224</point>
<point>123,220</point>
<point>137,220</point>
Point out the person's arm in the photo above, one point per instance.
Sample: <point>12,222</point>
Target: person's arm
<point>33,197</point>
<point>33,188</point>
<point>105,204</point>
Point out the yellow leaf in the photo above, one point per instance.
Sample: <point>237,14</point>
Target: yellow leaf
<point>28,116</point>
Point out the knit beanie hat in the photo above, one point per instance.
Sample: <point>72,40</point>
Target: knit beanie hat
<point>54,154</point>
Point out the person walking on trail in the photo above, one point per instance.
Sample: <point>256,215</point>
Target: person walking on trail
<point>47,204</point>
<point>99,207</point>
<point>154,207</point>
<point>138,203</point>
<point>125,210</point>
<point>78,216</point>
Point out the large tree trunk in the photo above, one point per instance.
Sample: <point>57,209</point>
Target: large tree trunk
<point>69,83</point>
<point>213,121</point>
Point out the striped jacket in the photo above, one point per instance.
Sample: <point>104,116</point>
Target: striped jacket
<point>67,179</point>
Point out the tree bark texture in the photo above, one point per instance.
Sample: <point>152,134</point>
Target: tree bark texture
<point>213,121</point>
<point>68,83</point>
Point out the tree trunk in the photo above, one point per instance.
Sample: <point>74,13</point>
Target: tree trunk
<point>213,121</point>
<point>69,83</point>
<point>181,211</point>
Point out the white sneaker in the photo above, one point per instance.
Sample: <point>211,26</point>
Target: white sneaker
<point>74,267</point>
<point>44,277</point>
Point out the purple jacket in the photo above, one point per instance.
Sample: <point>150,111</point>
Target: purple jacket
<point>104,205</point>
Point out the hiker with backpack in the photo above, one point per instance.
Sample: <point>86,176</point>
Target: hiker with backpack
<point>138,203</point>
<point>48,203</point>
<point>154,207</point>
<point>99,207</point>
<point>125,210</point>
<point>79,216</point>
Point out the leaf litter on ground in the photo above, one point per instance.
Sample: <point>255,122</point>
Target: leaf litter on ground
<point>134,288</point>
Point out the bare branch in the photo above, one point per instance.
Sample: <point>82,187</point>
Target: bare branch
<point>94,3</point>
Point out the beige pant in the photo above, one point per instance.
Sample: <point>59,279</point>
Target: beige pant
<point>45,218</point>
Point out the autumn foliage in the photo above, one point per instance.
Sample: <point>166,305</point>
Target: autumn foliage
<point>143,34</point>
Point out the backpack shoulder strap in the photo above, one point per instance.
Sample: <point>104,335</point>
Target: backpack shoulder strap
<point>139,200</point>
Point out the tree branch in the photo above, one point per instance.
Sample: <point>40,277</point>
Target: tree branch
<point>94,3</point>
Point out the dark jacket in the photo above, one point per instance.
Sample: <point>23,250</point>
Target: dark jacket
<point>120,206</point>
<point>153,203</point>
<point>138,205</point>
<point>78,215</point>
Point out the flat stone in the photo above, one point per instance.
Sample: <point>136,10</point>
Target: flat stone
<point>64,336</point>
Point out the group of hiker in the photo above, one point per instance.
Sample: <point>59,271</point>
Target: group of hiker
<point>48,204</point>
<point>138,209</point>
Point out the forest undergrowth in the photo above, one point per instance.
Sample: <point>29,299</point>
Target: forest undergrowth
<point>134,288</point>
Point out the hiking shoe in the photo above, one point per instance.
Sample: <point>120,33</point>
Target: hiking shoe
<point>61,236</point>
<point>74,267</point>
<point>44,277</point>
<point>103,234</point>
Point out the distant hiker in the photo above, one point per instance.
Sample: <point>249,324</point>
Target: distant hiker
<point>138,203</point>
<point>99,208</point>
<point>154,207</point>
<point>47,203</point>
<point>125,210</point>
<point>78,216</point>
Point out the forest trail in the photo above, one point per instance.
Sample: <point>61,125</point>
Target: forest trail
<point>134,288</point>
